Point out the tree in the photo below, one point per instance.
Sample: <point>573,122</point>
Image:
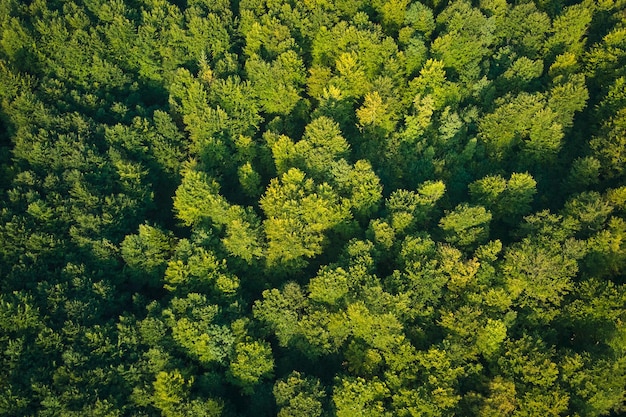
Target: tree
<point>525,122</point>
<point>281,311</point>
<point>206,125</point>
<point>567,98</point>
<point>506,200</point>
<point>525,28</point>
<point>465,41</point>
<point>195,269</point>
<point>594,316</point>
<point>360,185</point>
<point>208,28</point>
<point>351,79</point>
<point>277,84</point>
<point>169,391</point>
<point>419,279</point>
<point>439,393</point>
<point>329,287</point>
<point>488,191</point>
<point>589,210</point>
<point>198,200</point>
<point>419,17</point>
<point>607,249</point>
<point>433,82</point>
<point>298,213</point>
<point>502,399</point>
<point>408,209</point>
<point>147,253</point>
<point>522,72</point>
<point>609,145</point>
<point>466,226</point>
<point>195,327</point>
<point>320,148</point>
<point>375,114</point>
<point>569,29</point>
<point>299,396</point>
<point>539,275</point>
<point>238,100</point>
<point>251,362</point>
<point>244,236</point>
<point>205,201</point>
<point>584,173</point>
<point>359,396</point>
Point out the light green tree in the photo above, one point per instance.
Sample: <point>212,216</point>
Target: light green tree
<point>539,275</point>
<point>466,226</point>
<point>465,41</point>
<point>147,253</point>
<point>299,396</point>
<point>299,212</point>
<point>357,396</point>
<point>170,390</point>
<point>609,145</point>
<point>570,28</point>
<point>278,83</point>
<point>252,361</point>
<point>506,200</point>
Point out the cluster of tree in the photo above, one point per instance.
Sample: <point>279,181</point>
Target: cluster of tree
<point>307,208</point>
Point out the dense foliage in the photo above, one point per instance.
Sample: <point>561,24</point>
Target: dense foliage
<point>307,208</point>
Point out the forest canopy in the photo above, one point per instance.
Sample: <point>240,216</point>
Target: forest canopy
<point>313,208</point>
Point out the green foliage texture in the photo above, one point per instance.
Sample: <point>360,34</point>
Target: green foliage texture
<point>313,208</point>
